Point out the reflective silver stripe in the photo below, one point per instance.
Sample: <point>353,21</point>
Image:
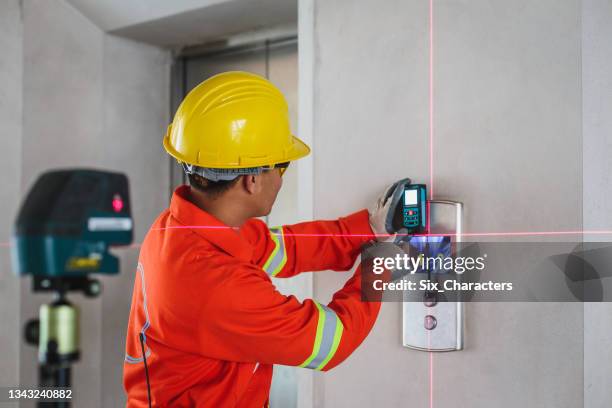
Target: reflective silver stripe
<point>132,360</point>
<point>278,257</point>
<point>128,358</point>
<point>330,338</point>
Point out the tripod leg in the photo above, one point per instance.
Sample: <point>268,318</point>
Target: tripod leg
<point>55,376</point>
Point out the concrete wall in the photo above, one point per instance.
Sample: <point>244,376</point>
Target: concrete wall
<point>597,133</point>
<point>92,100</point>
<point>11,72</point>
<point>136,102</point>
<point>508,144</point>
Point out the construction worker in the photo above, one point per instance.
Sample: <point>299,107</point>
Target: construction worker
<point>206,322</point>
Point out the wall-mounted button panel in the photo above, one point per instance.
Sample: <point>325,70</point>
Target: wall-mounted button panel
<point>430,324</point>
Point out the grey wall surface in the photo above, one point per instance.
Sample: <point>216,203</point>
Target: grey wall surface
<point>597,133</point>
<point>97,101</point>
<point>507,144</point>
<point>62,111</point>
<point>11,71</point>
<point>136,101</point>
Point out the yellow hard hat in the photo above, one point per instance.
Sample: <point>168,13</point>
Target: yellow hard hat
<point>233,120</point>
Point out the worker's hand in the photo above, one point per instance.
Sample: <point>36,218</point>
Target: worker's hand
<point>379,212</point>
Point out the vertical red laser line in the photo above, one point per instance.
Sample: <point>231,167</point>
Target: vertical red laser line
<point>431,182</point>
<point>430,369</point>
<point>431,100</point>
<point>431,379</point>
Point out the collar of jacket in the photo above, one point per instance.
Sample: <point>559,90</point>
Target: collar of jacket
<point>207,226</point>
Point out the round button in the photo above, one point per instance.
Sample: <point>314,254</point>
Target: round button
<point>430,322</point>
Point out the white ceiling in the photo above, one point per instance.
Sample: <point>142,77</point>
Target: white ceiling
<point>185,22</point>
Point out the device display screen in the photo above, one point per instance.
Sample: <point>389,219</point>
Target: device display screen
<point>411,197</point>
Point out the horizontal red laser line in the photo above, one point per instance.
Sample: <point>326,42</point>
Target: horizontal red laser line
<point>523,233</point>
<point>195,227</point>
<point>8,244</point>
<point>465,234</point>
<point>390,235</point>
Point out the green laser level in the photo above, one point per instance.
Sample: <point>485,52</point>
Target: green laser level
<point>63,232</point>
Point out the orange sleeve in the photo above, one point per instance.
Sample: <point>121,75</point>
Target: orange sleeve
<point>310,246</point>
<point>250,321</point>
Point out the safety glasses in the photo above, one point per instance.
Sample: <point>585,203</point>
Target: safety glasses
<point>282,167</point>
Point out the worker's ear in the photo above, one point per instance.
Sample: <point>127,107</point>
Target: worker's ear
<point>252,183</point>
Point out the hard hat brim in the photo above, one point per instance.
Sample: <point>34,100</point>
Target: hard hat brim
<point>300,149</point>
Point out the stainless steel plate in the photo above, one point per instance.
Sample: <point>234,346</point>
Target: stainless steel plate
<point>439,327</point>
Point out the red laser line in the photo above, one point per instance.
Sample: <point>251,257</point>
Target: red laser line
<point>430,369</point>
<point>431,101</point>
<point>522,233</point>
<point>431,182</point>
<point>135,245</point>
<point>194,227</point>
<point>431,379</point>
<point>463,234</point>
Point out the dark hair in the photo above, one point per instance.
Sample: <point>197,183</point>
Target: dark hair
<point>210,187</point>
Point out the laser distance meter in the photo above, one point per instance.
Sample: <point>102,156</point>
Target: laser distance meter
<point>408,210</point>
<point>414,208</point>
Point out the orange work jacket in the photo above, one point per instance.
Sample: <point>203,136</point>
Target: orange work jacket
<point>213,321</point>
